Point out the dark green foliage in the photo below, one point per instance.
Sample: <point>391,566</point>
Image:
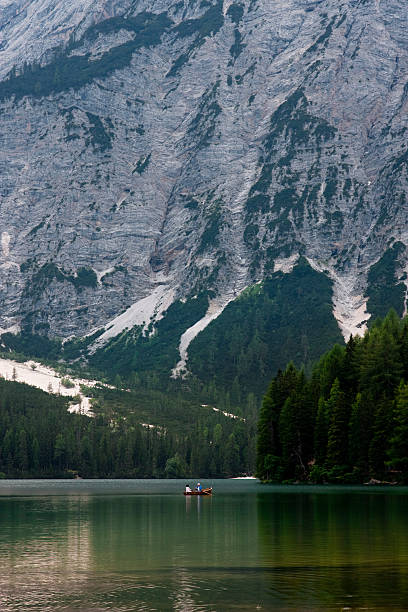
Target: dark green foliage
<point>321,432</point>
<point>294,126</point>
<point>380,362</point>
<point>32,346</point>
<point>208,24</point>
<point>269,446</point>
<point>265,327</point>
<point>100,135</point>
<point>235,12</point>
<point>251,235</point>
<point>294,430</point>
<point>323,38</point>
<point>66,72</point>
<point>400,161</point>
<point>359,433</point>
<point>191,204</point>
<point>285,434</point>
<point>40,438</point>
<point>398,449</point>
<point>142,164</point>
<point>381,429</point>
<point>237,47</point>
<point>349,421</point>
<point>383,289</point>
<point>202,127</point>
<point>155,352</point>
<point>26,345</point>
<point>47,273</point>
<point>337,437</point>
<point>209,237</point>
<point>84,277</point>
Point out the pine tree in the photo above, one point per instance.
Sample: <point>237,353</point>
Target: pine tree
<point>350,371</point>
<point>60,452</point>
<point>267,443</point>
<point>232,459</point>
<point>360,434</point>
<point>292,462</point>
<point>381,433</point>
<point>403,348</point>
<point>381,367</point>
<point>329,368</point>
<point>398,451</point>
<point>321,432</point>
<point>35,453</point>
<point>337,439</point>
<point>22,451</point>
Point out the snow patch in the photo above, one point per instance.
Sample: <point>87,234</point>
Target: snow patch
<point>286,264</point>
<point>45,378</point>
<point>140,313</point>
<point>121,199</point>
<point>215,308</point>
<point>227,414</point>
<point>350,313</point>
<point>5,243</point>
<point>13,329</point>
<point>349,308</point>
<point>100,275</point>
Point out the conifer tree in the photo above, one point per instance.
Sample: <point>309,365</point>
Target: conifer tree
<point>359,438</point>
<point>329,368</point>
<point>398,451</point>
<point>337,438</point>
<point>296,431</point>
<point>267,441</point>
<point>321,432</point>
<point>381,367</point>
<point>382,426</point>
<point>22,451</point>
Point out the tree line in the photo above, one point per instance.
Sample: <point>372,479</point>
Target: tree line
<point>39,438</point>
<point>348,420</point>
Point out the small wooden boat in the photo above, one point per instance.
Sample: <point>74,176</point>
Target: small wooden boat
<point>202,492</point>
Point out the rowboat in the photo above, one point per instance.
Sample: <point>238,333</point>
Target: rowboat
<point>203,492</point>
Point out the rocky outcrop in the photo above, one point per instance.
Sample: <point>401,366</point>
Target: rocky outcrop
<point>163,148</point>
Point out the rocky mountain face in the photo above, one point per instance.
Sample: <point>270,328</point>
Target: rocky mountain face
<point>155,150</point>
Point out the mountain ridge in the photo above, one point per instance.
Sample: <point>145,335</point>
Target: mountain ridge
<point>167,148</point>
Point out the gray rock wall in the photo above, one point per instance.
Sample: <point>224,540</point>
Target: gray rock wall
<point>206,144</point>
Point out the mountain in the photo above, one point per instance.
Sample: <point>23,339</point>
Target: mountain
<point>174,174</point>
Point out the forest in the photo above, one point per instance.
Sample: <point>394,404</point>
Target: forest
<point>139,433</point>
<point>345,423</point>
<point>345,420</point>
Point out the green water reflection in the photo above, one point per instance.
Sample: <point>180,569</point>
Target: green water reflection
<point>248,547</point>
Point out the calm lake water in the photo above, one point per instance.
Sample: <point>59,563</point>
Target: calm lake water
<point>142,545</point>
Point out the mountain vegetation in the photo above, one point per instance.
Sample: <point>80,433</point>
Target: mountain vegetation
<point>348,420</point>
<point>138,433</point>
<point>286,317</point>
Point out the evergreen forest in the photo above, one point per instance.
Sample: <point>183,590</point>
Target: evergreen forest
<point>40,438</point>
<point>345,423</point>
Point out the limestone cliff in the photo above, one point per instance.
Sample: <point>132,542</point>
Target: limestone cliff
<point>154,150</point>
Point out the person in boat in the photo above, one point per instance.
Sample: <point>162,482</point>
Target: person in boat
<point>188,490</point>
<point>199,488</point>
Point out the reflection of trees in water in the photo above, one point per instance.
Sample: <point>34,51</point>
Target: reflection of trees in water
<point>335,548</point>
<point>44,542</point>
<point>143,532</point>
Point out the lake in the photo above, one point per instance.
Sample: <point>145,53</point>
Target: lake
<point>132,545</point>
